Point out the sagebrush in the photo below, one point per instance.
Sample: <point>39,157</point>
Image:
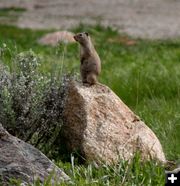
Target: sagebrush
<point>31,103</point>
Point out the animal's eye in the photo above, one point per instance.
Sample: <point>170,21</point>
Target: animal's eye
<point>86,33</point>
<point>80,35</point>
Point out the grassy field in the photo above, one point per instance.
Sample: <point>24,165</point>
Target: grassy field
<point>144,74</point>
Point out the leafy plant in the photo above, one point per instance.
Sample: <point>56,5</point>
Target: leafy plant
<point>31,102</point>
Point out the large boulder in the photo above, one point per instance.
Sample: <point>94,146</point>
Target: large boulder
<point>53,39</point>
<point>102,128</point>
<point>19,160</point>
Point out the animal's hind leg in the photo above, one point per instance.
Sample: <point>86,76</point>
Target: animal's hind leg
<point>84,77</point>
<point>91,79</point>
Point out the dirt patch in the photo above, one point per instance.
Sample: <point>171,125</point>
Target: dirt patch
<point>155,19</point>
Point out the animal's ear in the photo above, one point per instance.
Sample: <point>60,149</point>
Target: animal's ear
<point>86,33</point>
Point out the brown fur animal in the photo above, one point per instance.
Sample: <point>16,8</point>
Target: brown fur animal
<point>90,62</point>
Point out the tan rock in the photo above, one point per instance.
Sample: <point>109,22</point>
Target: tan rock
<point>54,38</point>
<point>99,125</point>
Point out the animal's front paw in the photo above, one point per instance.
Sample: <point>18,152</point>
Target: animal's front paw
<point>86,84</point>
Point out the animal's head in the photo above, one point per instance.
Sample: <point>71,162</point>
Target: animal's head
<point>82,38</point>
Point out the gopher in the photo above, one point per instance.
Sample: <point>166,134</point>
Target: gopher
<point>90,62</point>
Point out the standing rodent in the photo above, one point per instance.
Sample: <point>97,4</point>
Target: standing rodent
<point>90,62</point>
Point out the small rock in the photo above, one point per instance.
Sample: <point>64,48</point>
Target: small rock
<point>20,160</point>
<point>53,39</point>
<point>100,126</point>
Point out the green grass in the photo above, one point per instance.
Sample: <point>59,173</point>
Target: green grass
<point>136,173</point>
<point>7,11</point>
<point>10,15</point>
<point>124,173</point>
<point>144,74</point>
